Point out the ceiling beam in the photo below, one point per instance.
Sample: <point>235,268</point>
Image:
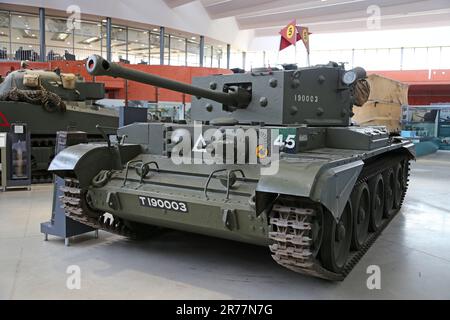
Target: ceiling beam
<point>346,12</point>
<point>177,3</point>
<point>387,23</point>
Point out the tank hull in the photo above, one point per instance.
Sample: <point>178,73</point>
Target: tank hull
<point>43,126</point>
<point>205,215</point>
<point>319,181</point>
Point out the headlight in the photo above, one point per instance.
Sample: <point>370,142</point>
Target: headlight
<point>349,77</point>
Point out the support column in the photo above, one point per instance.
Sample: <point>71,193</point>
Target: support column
<point>11,54</point>
<point>401,58</point>
<point>202,50</point>
<point>185,52</point>
<point>244,55</point>
<point>168,48</point>
<point>212,56</point>
<point>108,39</point>
<point>42,49</point>
<point>161,44</point>
<point>126,43</point>
<point>149,47</point>
<point>228,56</point>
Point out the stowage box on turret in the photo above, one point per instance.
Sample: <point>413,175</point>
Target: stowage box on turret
<point>270,159</point>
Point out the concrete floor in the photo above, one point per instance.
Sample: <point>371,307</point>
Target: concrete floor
<point>413,254</point>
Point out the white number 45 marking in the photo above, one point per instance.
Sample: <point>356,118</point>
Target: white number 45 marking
<point>288,143</point>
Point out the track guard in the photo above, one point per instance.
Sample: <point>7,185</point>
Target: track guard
<point>86,160</point>
<point>334,186</point>
<point>318,181</point>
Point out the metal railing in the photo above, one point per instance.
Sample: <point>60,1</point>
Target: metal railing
<point>394,58</point>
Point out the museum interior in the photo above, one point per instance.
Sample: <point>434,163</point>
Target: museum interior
<point>224,150</point>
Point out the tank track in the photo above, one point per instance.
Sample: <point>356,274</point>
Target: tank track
<point>73,202</point>
<point>292,227</point>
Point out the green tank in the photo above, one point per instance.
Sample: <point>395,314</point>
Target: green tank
<point>48,102</point>
<point>270,159</point>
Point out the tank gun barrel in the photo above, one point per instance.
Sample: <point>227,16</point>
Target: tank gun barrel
<point>97,66</point>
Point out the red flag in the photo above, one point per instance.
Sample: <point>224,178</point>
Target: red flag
<point>289,35</point>
<point>303,34</point>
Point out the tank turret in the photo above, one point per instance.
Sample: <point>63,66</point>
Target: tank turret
<point>67,86</point>
<point>321,95</point>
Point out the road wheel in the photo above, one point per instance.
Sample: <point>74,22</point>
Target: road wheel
<point>376,186</point>
<point>389,187</point>
<point>361,215</point>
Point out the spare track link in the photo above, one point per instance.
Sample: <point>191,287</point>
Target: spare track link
<point>291,231</point>
<point>72,204</point>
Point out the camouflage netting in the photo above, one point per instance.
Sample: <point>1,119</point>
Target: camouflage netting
<point>362,92</point>
<point>49,100</point>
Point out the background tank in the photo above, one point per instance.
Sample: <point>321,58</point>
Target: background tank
<point>49,102</point>
<point>287,171</point>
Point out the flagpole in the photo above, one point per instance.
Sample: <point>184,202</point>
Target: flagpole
<point>295,45</point>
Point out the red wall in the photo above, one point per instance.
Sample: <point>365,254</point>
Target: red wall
<point>116,87</point>
<point>425,86</point>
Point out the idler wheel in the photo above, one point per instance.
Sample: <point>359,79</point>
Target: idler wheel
<point>337,238</point>
<point>86,204</point>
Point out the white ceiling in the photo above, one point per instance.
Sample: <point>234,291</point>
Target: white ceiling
<point>267,17</point>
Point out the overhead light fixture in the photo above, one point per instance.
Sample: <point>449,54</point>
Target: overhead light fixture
<point>20,17</point>
<point>18,38</point>
<point>155,29</point>
<point>90,40</point>
<point>193,38</point>
<point>63,36</point>
<point>60,36</point>
<point>68,43</point>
